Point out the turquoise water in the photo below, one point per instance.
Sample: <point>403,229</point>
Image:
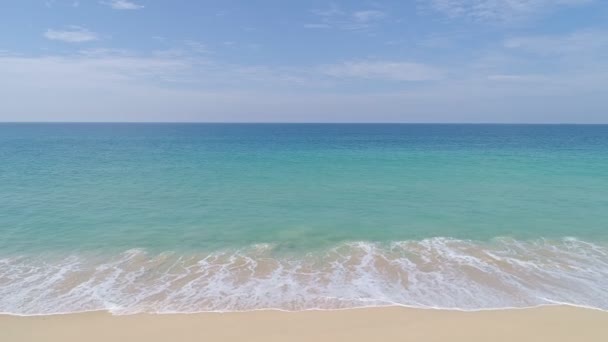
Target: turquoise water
<point>251,210</point>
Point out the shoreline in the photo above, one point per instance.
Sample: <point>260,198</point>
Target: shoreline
<point>371,307</point>
<point>556,323</point>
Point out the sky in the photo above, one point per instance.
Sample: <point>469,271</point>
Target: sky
<point>504,61</point>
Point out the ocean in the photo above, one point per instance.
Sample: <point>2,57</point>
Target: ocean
<point>169,218</point>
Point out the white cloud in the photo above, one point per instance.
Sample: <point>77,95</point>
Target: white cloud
<point>123,5</point>
<point>498,10</point>
<point>73,34</point>
<point>389,71</point>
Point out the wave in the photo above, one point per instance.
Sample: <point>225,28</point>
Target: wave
<point>440,273</point>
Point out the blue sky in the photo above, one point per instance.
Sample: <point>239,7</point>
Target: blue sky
<point>305,61</point>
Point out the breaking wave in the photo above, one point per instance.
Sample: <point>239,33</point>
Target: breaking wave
<point>432,273</point>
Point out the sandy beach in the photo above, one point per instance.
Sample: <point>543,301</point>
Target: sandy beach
<point>387,324</point>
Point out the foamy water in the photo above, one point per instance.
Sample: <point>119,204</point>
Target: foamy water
<point>437,273</point>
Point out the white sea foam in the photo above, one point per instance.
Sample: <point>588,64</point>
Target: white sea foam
<point>432,273</point>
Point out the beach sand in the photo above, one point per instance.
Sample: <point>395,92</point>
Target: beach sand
<point>378,324</point>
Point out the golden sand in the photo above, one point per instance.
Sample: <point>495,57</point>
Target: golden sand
<point>553,324</point>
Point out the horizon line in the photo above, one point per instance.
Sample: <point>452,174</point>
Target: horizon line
<point>304,122</point>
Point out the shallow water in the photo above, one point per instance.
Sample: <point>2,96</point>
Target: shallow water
<point>215,217</point>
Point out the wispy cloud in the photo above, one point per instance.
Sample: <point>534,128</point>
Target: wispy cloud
<point>73,34</point>
<point>135,87</point>
<point>514,78</point>
<point>382,70</point>
<point>122,5</point>
<point>335,17</point>
<point>196,46</point>
<point>368,15</point>
<point>52,3</point>
<point>498,10</point>
<point>317,26</point>
<point>579,42</point>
